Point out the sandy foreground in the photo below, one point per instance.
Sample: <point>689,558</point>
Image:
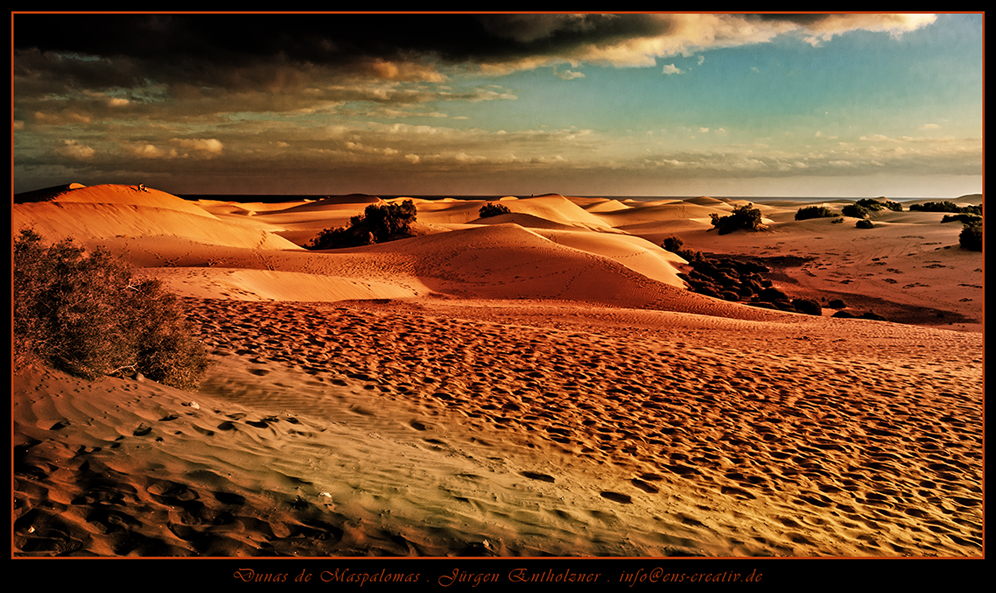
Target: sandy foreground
<point>539,383</point>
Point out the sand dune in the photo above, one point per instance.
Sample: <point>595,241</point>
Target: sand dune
<point>94,214</point>
<point>557,208</point>
<point>540,383</point>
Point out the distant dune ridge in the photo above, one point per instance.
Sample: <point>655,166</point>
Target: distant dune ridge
<point>540,382</point>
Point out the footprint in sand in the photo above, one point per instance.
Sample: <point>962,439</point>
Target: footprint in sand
<point>617,497</point>
<point>644,486</point>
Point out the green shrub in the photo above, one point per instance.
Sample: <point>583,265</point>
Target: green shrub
<point>379,223</point>
<point>85,314</point>
<point>809,212</point>
<point>874,205</point>
<point>744,217</point>
<point>864,224</point>
<point>962,217</point>
<point>673,244</point>
<point>491,209</point>
<point>946,206</point>
<point>807,306</point>
<point>971,236</point>
<point>870,204</point>
<point>855,211</point>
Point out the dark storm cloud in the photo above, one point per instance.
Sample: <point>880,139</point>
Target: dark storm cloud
<point>324,38</point>
<point>198,48</point>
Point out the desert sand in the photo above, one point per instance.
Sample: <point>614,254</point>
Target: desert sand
<point>541,383</point>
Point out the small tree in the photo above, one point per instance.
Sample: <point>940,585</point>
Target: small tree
<point>673,244</point>
<point>379,223</point>
<point>491,209</point>
<point>744,217</point>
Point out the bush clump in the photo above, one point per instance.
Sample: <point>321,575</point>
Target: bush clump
<point>379,223</point>
<point>874,205</point>
<point>744,217</point>
<point>962,218</point>
<point>971,236</point>
<point>864,224</point>
<point>87,315</point>
<point>675,244</point>
<point>807,306</point>
<point>855,211</point>
<point>946,206</point>
<point>809,212</point>
<point>492,209</point>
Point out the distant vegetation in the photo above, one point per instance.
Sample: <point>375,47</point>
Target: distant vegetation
<point>492,209</point>
<point>946,207</point>
<point>864,224</point>
<point>875,205</point>
<point>744,217</point>
<point>963,218</point>
<point>865,206</point>
<point>971,236</point>
<point>855,211</point>
<point>743,279</point>
<point>379,223</point>
<point>85,314</point>
<point>809,212</point>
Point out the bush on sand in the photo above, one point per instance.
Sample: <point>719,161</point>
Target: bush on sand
<point>379,223</point>
<point>87,315</point>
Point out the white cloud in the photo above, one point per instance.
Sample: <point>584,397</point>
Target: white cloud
<point>149,151</point>
<point>568,75</point>
<point>75,150</point>
<point>208,147</point>
<point>671,69</point>
<point>838,24</point>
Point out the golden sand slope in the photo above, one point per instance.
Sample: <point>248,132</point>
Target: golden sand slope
<point>396,429</point>
<point>497,389</point>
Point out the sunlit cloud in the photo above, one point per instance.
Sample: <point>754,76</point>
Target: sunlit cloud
<point>75,150</point>
<point>203,146</point>
<point>837,24</point>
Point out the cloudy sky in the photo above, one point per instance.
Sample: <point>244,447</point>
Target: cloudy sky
<point>465,104</point>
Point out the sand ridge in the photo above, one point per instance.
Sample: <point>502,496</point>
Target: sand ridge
<point>510,390</point>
